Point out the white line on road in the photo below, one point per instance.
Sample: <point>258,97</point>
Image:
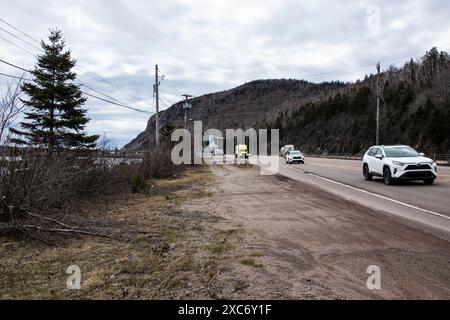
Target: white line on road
<point>376,195</point>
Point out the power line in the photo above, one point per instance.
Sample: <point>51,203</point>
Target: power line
<point>112,99</point>
<point>14,66</point>
<point>17,46</point>
<point>172,85</point>
<point>117,104</point>
<point>166,104</point>
<point>316,105</point>
<point>176,89</point>
<point>156,93</point>
<point>26,35</point>
<point>211,117</point>
<point>88,94</point>
<point>40,49</point>
<point>88,72</point>
<point>17,37</point>
<point>99,92</point>
<point>354,69</point>
<point>30,53</point>
<point>83,84</point>
<point>102,79</point>
<point>14,77</point>
<point>97,77</point>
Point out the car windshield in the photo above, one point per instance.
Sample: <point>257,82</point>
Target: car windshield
<point>295,152</point>
<point>400,152</point>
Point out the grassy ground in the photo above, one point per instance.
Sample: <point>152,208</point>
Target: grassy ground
<point>161,250</point>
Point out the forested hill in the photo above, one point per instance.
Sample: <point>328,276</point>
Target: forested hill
<point>249,105</point>
<point>415,110</point>
<point>335,117</point>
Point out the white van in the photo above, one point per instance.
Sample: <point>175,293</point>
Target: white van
<point>286,149</point>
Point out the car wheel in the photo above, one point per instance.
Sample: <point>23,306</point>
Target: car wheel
<point>387,177</point>
<point>428,181</point>
<point>366,173</point>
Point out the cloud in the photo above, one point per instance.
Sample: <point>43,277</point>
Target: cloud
<point>205,46</point>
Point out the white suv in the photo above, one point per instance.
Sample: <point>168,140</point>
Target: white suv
<point>398,163</point>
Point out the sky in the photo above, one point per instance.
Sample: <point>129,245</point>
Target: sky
<point>204,46</point>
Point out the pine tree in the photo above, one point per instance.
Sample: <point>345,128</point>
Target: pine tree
<point>55,118</point>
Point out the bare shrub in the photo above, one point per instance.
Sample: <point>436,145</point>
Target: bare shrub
<point>34,184</point>
<point>158,164</point>
<point>34,181</point>
<point>10,108</point>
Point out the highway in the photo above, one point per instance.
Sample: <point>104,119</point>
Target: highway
<point>413,202</point>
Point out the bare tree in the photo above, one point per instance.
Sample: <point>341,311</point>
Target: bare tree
<point>10,109</point>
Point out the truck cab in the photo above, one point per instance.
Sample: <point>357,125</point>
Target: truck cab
<point>241,151</point>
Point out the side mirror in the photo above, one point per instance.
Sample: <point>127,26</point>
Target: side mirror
<point>422,154</point>
<point>379,157</point>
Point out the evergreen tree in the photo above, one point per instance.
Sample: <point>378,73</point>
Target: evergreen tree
<point>55,117</point>
<point>430,64</point>
<point>436,127</point>
<point>166,132</point>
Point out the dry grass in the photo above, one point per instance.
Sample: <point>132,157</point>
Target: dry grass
<point>250,262</point>
<point>156,255</point>
<point>257,255</point>
<point>218,249</point>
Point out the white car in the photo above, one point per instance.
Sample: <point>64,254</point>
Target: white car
<point>295,157</point>
<point>394,163</point>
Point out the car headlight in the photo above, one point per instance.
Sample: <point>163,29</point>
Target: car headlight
<point>398,163</point>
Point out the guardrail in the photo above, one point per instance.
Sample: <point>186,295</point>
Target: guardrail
<point>332,156</point>
<point>441,159</point>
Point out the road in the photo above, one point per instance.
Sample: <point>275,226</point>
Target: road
<point>413,201</point>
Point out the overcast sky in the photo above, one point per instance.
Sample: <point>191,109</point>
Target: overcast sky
<point>211,45</point>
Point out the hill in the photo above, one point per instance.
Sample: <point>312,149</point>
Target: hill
<point>332,117</point>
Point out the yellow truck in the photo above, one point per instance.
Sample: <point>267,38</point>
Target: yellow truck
<point>241,151</point>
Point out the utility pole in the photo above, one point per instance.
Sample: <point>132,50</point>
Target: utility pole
<point>378,103</point>
<point>156,90</point>
<point>186,107</point>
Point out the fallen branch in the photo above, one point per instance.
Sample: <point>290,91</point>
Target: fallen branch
<point>210,282</point>
<point>208,288</point>
<point>67,231</point>
<point>48,219</point>
<point>6,227</point>
<point>163,284</point>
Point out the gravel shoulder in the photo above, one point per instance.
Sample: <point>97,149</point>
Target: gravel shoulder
<point>313,245</point>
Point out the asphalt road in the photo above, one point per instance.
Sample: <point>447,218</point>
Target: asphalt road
<point>427,205</point>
